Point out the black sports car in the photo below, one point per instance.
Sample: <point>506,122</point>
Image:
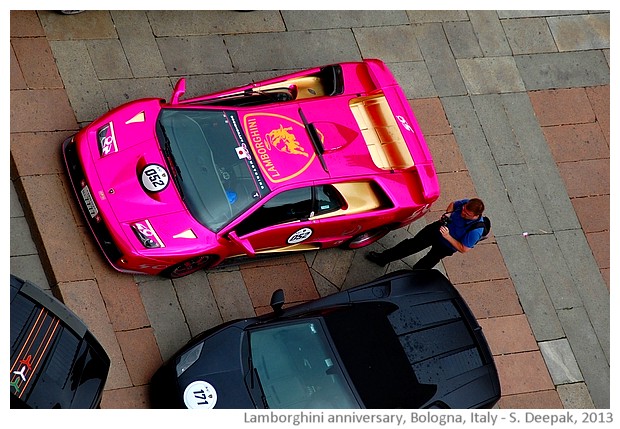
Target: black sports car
<point>55,360</point>
<point>405,340</point>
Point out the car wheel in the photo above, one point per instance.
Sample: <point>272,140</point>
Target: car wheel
<point>366,238</point>
<point>188,267</point>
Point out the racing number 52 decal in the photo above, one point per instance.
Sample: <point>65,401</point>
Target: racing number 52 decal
<point>154,178</point>
<point>299,236</point>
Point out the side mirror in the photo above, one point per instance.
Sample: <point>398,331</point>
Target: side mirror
<point>277,301</point>
<point>245,244</point>
<point>179,90</point>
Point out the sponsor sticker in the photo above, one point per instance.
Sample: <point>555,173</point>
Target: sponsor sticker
<point>242,152</point>
<point>154,178</point>
<point>200,394</point>
<point>107,140</point>
<point>147,232</point>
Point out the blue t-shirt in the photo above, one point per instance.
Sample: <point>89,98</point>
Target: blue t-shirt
<point>458,227</point>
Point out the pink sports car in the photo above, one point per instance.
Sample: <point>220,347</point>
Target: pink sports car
<point>330,156</point>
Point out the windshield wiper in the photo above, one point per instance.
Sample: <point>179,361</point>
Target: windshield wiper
<point>315,139</point>
<point>260,385</point>
<point>254,376</point>
<point>172,164</point>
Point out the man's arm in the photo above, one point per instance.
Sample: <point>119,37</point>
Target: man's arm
<point>445,232</point>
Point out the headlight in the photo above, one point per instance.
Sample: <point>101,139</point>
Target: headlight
<point>146,234</point>
<point>106,140</point>
<point>188,359</point>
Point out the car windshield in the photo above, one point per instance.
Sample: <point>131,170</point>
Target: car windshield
<point>211,163</point>
<point>297,368</point>
<point>374,357</point>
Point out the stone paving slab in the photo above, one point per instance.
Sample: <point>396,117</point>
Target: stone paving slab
<point>184,56</point>
<point>377,42</point>
<point>490,33</point>
<point>231,293</point>
<point>36,63</point>
<point>591,286</point>
<point>299,20</point>
<point>201,22</point>
<point>510,368</point>
<point>80,79</point>
<point>575,396</point>
<point>582,32</point>
<point>545,399</point>
<point>491,298</point>
<point>120,292</point>
<point>166,316</point>
<point>96,24</point>
<point>599,100</point>
<point>530,288</point>
<point>138,42</point>
<point>564,70</point>
<point>53,217</point>
<point>462,39</point>
<point>529,35</point>
<point>438,58</point>
<point>199,305</point>
<point>586,347</point>
<point>576,142</point>
<point>494,75</point>
<point>561,362</point>
<point>263,51</point>
<point>509,334</point>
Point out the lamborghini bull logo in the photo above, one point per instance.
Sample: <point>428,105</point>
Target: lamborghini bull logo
<point>284,140</point>
<point>279,145</point>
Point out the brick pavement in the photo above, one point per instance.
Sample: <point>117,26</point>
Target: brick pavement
<point>521,121</point>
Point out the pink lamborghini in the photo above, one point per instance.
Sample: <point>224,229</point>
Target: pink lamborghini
<point>331,156</point>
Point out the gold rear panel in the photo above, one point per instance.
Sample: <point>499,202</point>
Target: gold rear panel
<point>385,142</point>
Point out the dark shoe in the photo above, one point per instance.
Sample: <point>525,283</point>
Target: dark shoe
<point>376,258</point>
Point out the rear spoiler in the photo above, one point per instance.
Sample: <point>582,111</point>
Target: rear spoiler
<point>389,152</point>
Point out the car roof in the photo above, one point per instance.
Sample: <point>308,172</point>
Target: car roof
<point>374,357</point>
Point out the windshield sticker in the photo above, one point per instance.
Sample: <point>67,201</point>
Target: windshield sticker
<point>155,178</point>
<point>280,145</point>
<point>244,153</point>
<point>300,235</point>
<point>200,394</point>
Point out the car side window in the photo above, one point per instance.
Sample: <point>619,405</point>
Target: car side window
<point>289,206</point>
<point>327,199</point>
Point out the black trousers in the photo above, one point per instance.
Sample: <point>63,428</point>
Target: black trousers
<point>429,236</point>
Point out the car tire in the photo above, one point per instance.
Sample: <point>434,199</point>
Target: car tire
<point>189,266</point>
<point>366,238</point>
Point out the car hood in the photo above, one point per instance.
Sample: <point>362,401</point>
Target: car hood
<point>216,380</point>
<point>135,179</point>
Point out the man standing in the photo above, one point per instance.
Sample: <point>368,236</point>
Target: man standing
<point>458,230</point>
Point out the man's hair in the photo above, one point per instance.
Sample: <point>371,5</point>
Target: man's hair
<point>475,205</point>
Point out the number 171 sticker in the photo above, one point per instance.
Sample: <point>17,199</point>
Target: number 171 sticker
<point>200,394</point>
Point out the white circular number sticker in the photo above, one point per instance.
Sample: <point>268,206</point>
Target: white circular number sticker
<point>200,394</point>
<point>299,236</point>
<point>155,178</point>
